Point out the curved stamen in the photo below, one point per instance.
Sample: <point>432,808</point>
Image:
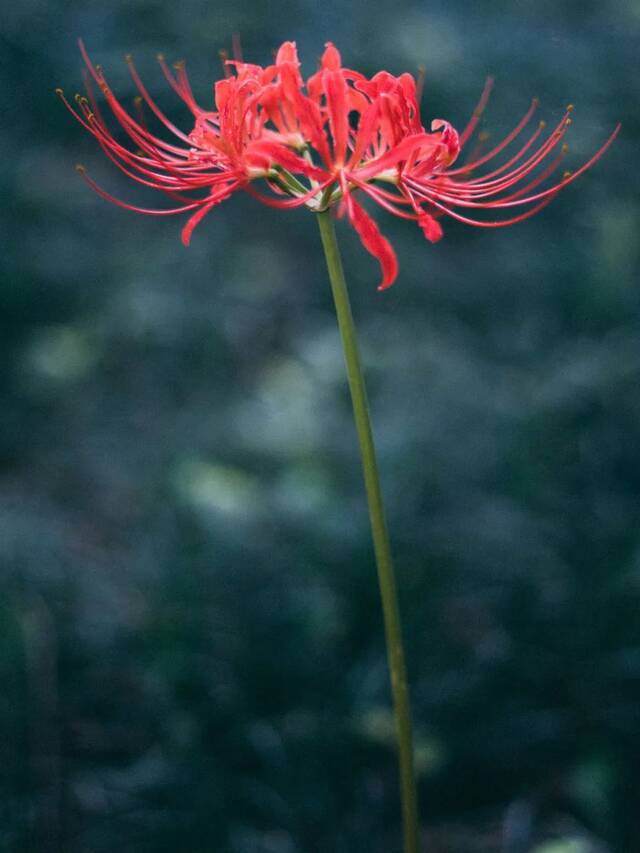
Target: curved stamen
<point>431,195</point>
<point>502,145</point>
<point>477,113</point>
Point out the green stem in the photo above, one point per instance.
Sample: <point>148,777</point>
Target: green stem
<point>386,576</point>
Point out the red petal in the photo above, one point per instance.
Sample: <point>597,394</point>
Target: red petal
<point>335,90</point>
<point>197,217</point>
<point>374,242</point>
<point>287,53</point>
<point>283,156</point>
<point>431,228</point>
<point>422,143</point>
<point>331,58</point>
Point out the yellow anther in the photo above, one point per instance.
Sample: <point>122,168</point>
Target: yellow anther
<point>564,148</point>
<point>569,107</point>
<point>483,135</point>
<point>80,168</point>
<point>160,57</point>
<point>566,175</point>
<point>567,122</point>
<point>542,125</point>
<point>59,92</point>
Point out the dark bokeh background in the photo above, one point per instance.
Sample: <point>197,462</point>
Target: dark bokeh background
<point>191,650</point>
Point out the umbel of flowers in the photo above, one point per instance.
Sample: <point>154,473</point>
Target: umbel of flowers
<point>323,143</point>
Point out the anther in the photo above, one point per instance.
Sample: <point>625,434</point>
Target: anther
<point>179,65</point>
<point>59,92</point>
<point>484,135</point>
<point>80,168</point>
<point>566,175</point>
<point>137,100</point>
<point>564,148</point>
<point>569,107</point>
<point>567,122</point>
<point>542,125</point>
<point>160,57</point>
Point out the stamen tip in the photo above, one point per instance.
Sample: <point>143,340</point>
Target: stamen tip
<point>564,148</point>
<point>160,57</point>
<point>128,58</point>
<point>484,135</point>
<point>59,92</point>
<point>80,168</point>
<point>542,125</point>
<point>568,122</point>
<point>566,175</point>
<point>569,108</point>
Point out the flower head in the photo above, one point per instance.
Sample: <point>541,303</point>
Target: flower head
<point>324,143</point>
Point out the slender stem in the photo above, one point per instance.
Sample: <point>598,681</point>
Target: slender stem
<point>386,576</point>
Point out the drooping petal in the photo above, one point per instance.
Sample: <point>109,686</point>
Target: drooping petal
<point>197,217</point>
<point>431,228</point>
<point>373,241</point>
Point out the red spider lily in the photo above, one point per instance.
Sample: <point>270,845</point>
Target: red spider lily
<point>321,144</point>
<point>227,148</point>
<point>387,145</point>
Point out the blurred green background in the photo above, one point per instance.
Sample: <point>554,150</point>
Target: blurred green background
<point>191,652</point>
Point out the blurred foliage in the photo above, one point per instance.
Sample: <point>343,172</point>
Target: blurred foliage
<point>191,648</point>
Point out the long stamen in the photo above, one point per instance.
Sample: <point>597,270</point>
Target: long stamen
<point>477,113</point>
<point>502,145</point>
<point>152,104</point>
<point>151,212</point>
<point>436,194</point>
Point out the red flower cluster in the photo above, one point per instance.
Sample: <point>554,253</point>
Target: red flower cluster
<point>318,144</point>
